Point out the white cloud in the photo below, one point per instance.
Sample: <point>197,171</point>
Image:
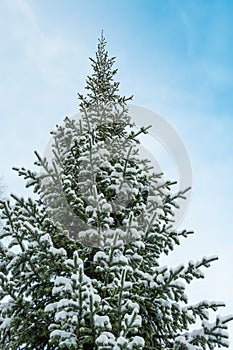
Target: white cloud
<point>44,51</point>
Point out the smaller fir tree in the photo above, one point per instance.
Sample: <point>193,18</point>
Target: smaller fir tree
<point>80,265</point>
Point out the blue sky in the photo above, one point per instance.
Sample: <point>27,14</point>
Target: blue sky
<point>175,57</point>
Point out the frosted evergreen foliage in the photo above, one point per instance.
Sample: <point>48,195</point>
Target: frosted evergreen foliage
<point>80,265</point>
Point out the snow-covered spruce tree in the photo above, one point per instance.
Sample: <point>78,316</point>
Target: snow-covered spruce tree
<point>80,265</point>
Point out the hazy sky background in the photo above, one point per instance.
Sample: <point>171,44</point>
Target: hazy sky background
<point>175,57</point>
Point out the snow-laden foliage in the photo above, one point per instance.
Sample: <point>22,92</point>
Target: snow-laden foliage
<point>80,265</point>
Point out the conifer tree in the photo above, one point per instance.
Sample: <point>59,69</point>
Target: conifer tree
<point>80,264</point>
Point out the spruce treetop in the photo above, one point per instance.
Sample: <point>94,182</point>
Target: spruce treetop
<point>101,85</point>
